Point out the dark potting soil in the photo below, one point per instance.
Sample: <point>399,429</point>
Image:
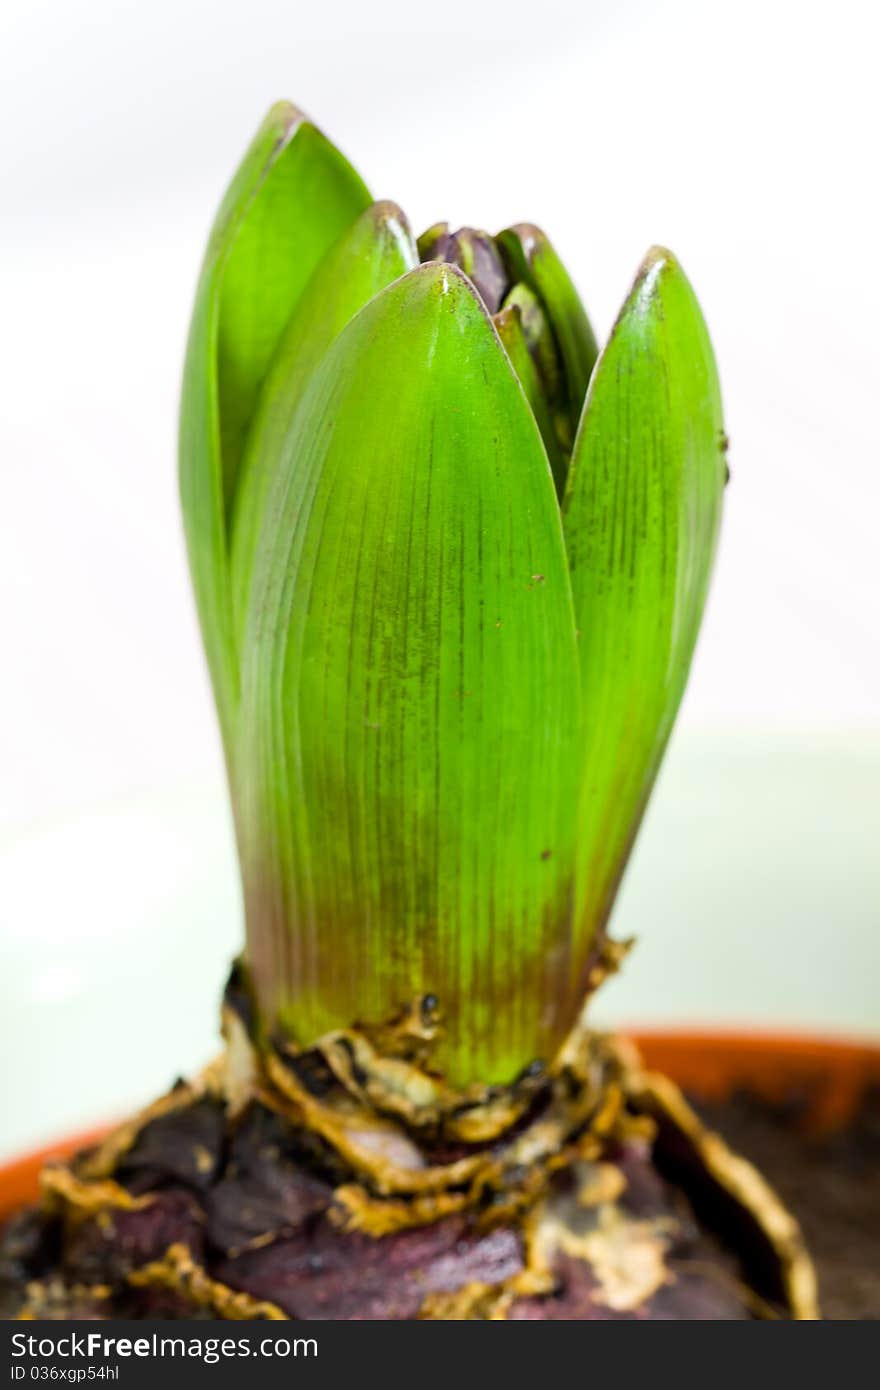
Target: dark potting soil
<point>830,1183</point>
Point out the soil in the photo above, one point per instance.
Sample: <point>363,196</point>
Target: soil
<point>830,1182</point>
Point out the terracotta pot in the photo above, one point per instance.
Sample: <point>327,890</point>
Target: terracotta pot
<point>829,1075</point>
<point>19,1178</point>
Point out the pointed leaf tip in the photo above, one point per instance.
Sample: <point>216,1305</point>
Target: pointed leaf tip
<point>377,249</point>
<point>532,260</point>
<point>657,266</point>
<point>284,114</point>
<point>291,197</point>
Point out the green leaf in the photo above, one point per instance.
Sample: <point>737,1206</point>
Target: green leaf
<point>508,323</point>
<point>429,238</point>
<point>292,197</point>
<point>376,250</point>
<point>532,260</point>
<point>641,516</point>
<point>410,697</point>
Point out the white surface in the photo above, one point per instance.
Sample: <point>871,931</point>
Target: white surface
<point>754,892</point>
<point>118,931</point>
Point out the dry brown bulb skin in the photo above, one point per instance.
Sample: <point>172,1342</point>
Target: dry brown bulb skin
<point>348,1181</point>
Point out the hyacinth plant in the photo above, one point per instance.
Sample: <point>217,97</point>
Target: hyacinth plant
<point>450,567</point>
<point>450,564</point>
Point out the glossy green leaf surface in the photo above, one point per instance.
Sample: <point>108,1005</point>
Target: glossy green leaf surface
<point>377,249</point>
<point>410,709</point>
<point>641,515</point>
<point>532,260</point>
<point>292,197</point>
<point>508,324</point>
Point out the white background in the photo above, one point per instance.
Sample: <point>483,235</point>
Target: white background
<point>745,138</point>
